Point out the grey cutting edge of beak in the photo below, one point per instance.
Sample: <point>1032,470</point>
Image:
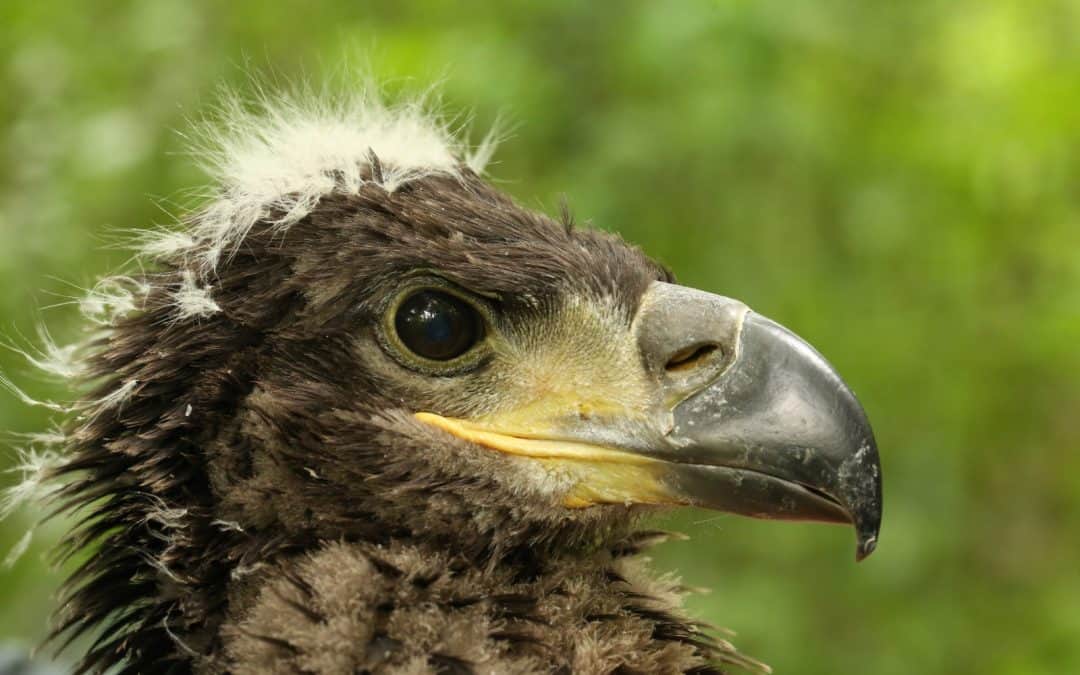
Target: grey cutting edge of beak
<point>760,424</point>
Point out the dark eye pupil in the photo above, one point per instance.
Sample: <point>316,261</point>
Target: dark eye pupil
<point>436,325</point>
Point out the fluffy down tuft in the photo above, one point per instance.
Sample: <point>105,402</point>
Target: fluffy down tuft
<point>192,300</point>
<point>274,158</point>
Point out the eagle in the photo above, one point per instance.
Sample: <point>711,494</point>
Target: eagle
<point>361,412</point>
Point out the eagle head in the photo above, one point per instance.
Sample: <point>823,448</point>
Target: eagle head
<point>358,338</point>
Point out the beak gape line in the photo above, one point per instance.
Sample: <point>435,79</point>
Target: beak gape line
<point>748,419</point>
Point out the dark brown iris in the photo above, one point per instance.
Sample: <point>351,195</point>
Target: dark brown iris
<point>436,325</point>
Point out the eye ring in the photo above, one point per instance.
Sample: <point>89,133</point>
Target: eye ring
<point>434,308</point>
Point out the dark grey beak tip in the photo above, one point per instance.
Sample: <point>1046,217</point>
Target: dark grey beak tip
<point>867,522</point>
<point>841,431</point>
<point>868,526</point>
<point>860,482</point>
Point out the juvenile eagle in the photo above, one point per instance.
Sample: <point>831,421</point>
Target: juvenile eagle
<point>363,413</point>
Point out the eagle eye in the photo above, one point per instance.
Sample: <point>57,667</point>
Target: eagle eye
<point>436,325</point>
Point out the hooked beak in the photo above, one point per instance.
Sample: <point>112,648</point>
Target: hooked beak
<point>745,418</point>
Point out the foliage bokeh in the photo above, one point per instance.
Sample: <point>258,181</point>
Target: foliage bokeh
<point>897,182</point>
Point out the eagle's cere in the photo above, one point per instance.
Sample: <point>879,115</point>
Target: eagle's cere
<point>364,413</point>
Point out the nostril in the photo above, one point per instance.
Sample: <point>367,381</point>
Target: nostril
<point>693,356</point>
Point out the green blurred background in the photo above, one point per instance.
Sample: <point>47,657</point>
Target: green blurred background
<point>897,182</point>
